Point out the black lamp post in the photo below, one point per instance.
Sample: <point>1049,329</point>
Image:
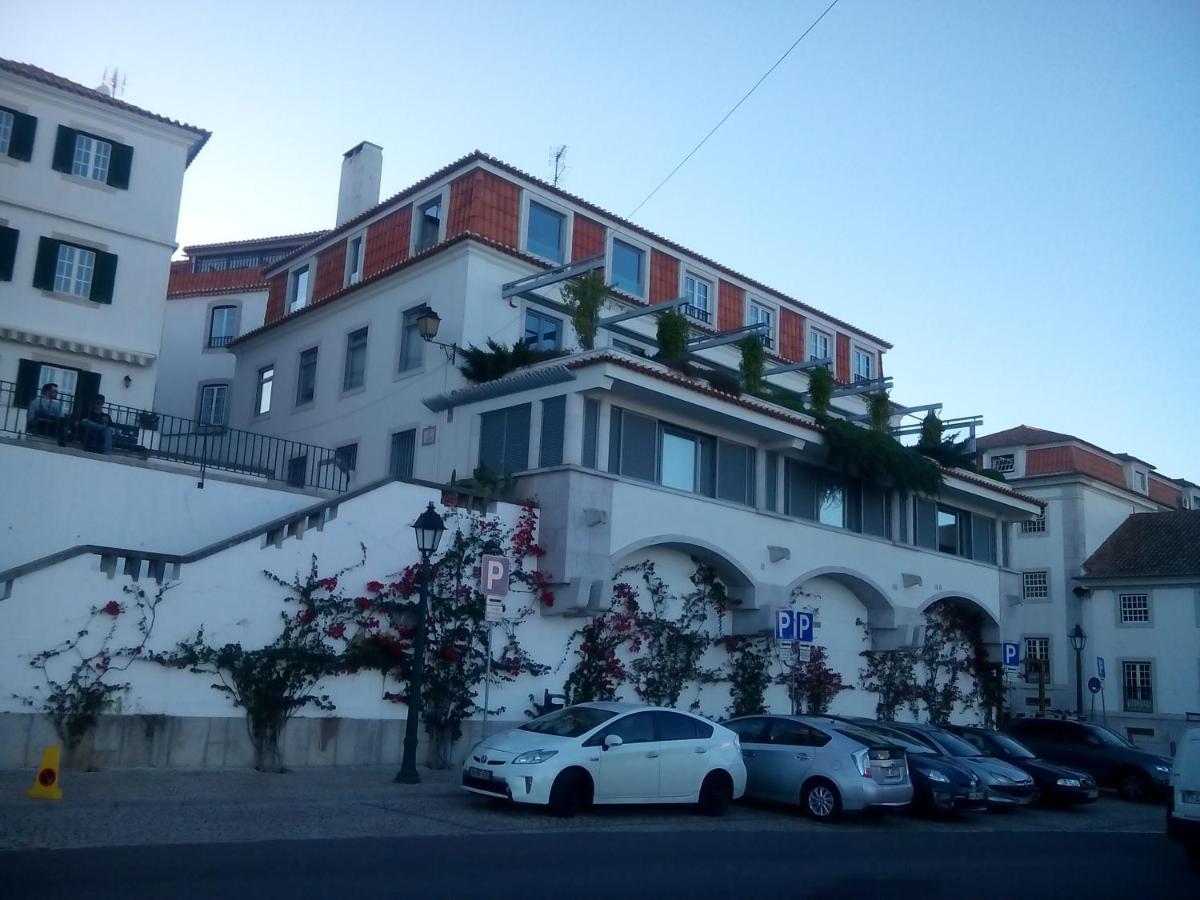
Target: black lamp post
<point>1078,642</point>
<point>428,323</point>
<point>428,527</point>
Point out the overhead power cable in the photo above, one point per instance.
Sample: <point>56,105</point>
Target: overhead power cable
<point>734,109</point>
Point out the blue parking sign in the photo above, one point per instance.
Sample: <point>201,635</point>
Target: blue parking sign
<point>1012,654</point>
<point>793,625</point>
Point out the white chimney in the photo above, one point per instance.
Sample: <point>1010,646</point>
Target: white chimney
<point>362,166</point>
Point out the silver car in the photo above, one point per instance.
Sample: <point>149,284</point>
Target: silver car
<point>824,766</point>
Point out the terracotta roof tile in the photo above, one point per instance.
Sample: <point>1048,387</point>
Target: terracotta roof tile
<point>302,237</point>
<point>183,282</point>
<point>41,76</point>
<point>1150,545</point>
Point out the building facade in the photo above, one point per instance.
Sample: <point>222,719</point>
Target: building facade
<point>89,202</point>
<point>1089,492</point>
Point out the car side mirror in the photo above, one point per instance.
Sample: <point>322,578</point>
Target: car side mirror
<point>612,740</point>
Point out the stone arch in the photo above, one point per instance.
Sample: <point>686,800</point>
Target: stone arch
<point>739,583</point>
<point>880,609</point>
<point>990,624</point>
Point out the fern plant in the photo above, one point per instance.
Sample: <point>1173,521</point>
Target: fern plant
<point>481,364</point>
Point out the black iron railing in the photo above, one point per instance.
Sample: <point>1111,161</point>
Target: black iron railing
<point>698,313</point>
<point>150,434</point>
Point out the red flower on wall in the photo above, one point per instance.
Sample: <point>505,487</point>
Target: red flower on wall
<point>336,630</point>
<point>111,608</point>
<point>328,584</point>
<point>363,603</point>
<point>305,616</point>
<point>375,586</point>
<point>451,654</point>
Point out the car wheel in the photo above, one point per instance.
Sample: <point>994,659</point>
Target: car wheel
<point>570,794</point>
<point>715,794</point>
<point>1134,785</point>
<point>821,800</point>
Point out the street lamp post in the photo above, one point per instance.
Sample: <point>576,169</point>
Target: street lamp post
<point>1078,642</point>
<point>428,528</point>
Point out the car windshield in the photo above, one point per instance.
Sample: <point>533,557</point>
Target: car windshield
<point>896,737</point>
<point>573,721</point>
<point>1109,738</point>
<point>955,746</point>
<point>1009,747</point>
<point>862,736</point>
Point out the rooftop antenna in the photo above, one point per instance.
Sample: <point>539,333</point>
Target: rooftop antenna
<point>112,85</point>
<point>558,161</point>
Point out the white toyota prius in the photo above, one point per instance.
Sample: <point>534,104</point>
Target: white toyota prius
<point>610,753</point>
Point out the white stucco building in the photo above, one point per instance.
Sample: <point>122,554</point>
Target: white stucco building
<point>89,201</point>
<point>1089,492</point>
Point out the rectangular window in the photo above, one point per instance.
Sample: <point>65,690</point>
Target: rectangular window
<point>222,327</point>
<point>297,470</point>
<point>679,465</point>
<point>864,365</point>
<point>1004,462</point>
<point>356,360</point>
<point>876,511</point>
<point>354,260</point>
<point>735,472</point>
<point>924,523</point>
<point>760,314</point>
<point>92,157</point>
<point>429,224</point>
<point>1037,653</point>
<point>66,379</point>
<point>983,538</point>
<point>697,290</point>
<point>546,232</point>
<point>346,458</point>
<point>73,274</point>
<point>306,377</point>
<point>1034,526</point>
<point>818,344</point>
<point>632,447</point>
<point>554,421</point>
<point>820,495</point>
<point>213,398</point>
<point>542,332</point>
<point>1139,482</point>
<point>770,502</point>
<point>412,348</point>
<point>6,130</point>
<point>953,531</point>
<point>262,396</point>
<point>1035,585</point>
<point>628,268</point>
<point>1138,681</point>
<point>298,295</point>
<point>403,453</point>
<point>504,440</point>
<point>591,431</point>
<point>1135,609</point>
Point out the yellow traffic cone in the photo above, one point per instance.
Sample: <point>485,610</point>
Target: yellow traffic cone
<point>45,785</point>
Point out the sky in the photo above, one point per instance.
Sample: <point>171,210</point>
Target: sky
<point>1007,192</point>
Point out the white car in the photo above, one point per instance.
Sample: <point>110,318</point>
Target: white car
<point>610,753</point>
<point>1183,804</point>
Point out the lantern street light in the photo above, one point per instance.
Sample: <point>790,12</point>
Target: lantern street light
<point>1078,642</point>
<point>428,323</point>
<point>428,529</point>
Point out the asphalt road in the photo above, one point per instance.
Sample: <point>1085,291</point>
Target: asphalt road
<point>836,862</point>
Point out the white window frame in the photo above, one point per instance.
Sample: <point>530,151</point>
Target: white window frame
<point>354,275</point>
<point>754,303</point>
<point>1135,612</point>
<point>365,326</point>
<point>405,367</point>
<point>216,386</point>
<point>1040,641</point>
<point>442,193</point>
<point>1035,591</point>
<point>1149,665</point>
<point>269,393</point>
<point>637,245</point>
<point>91,157</point>
<point>861,353</point>
<point>1141,483</point>
<point>7,123</point>
<point>994,462</point>
<point>698,276</point>
<point>813,333</point>
<point>212,313</point>
<point>74,269</point>
<point>566,212</point>
<point>65,377</point>
<point>295,302</point>
<point>1035,525</point>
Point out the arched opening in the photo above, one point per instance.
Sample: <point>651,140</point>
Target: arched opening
<point>739,585</point>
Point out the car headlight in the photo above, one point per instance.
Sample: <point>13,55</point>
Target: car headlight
<point>935,775</point>
<point>1165,770</point>
<point>531,757</point>
<point>1003,779</point>
<point>1069,782</point>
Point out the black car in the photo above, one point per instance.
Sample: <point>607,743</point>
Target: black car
<point>1057,785</point>
<point>1105,755</point>
<point>940,785</point>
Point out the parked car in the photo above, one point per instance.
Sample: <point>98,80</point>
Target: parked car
<point>610,753</point>
<point>940,784</point>
<point>1004,785</point>
<point>1183,803</point>
<point>1056,785</point>
<point>826,767</point>
<point>1109,758</point>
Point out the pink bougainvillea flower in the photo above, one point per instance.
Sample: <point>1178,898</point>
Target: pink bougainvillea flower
<point>305,616</point>
<point>336,630</point>
<point>111,608</point>
<point>375,586</point>
<point>363,603</point>
<point>329,584</point>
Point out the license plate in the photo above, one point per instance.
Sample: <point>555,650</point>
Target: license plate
<point>1093,793</point>
<point>482,774</point>
<point>1191,796</point>
<point>975,795</point>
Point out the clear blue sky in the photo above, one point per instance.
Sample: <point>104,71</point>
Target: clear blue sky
<point>1008,192</point>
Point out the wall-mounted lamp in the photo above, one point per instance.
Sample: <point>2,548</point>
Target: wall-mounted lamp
<point>428,323</point>
<point>128,381</point>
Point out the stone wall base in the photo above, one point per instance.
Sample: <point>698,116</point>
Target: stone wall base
<point>187,742</point>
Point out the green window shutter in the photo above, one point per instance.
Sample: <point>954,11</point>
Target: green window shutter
<point>47,262</point>
<point>87,386</point>
<point>119,165</point>
<point>64,149</point>
<point>20,144</point>
<point>27,379</point>
<point>8,252</point>
<point>103,277</point>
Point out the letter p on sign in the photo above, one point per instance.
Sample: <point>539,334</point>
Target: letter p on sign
<point>493,575</point>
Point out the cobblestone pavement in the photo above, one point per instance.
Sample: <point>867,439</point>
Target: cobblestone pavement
<point>151,806</point>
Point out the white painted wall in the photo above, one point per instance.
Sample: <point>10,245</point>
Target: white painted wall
<point>56,499</point>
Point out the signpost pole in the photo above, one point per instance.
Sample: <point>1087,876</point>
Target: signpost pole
<point>487,680</point>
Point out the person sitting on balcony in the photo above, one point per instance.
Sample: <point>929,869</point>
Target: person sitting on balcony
<point>46,417</point>
<point>96,428</point>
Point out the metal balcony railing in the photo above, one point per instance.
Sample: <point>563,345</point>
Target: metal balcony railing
<point>158,435</point>
<point>219,340</point>
<point>699,313</point>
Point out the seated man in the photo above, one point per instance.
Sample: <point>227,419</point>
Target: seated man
<point>46,417</point>
<point>95,428</point>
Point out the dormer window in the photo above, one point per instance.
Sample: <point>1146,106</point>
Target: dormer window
<point>698,292</point>
<point>1139,481</point>
<point>818,345</point>
<point>864,365</point>
<point>298,290</point>
<point>1004,462</point>
<point>760,314</point>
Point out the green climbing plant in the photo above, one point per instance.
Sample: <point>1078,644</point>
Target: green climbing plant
<point>584,298</point>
